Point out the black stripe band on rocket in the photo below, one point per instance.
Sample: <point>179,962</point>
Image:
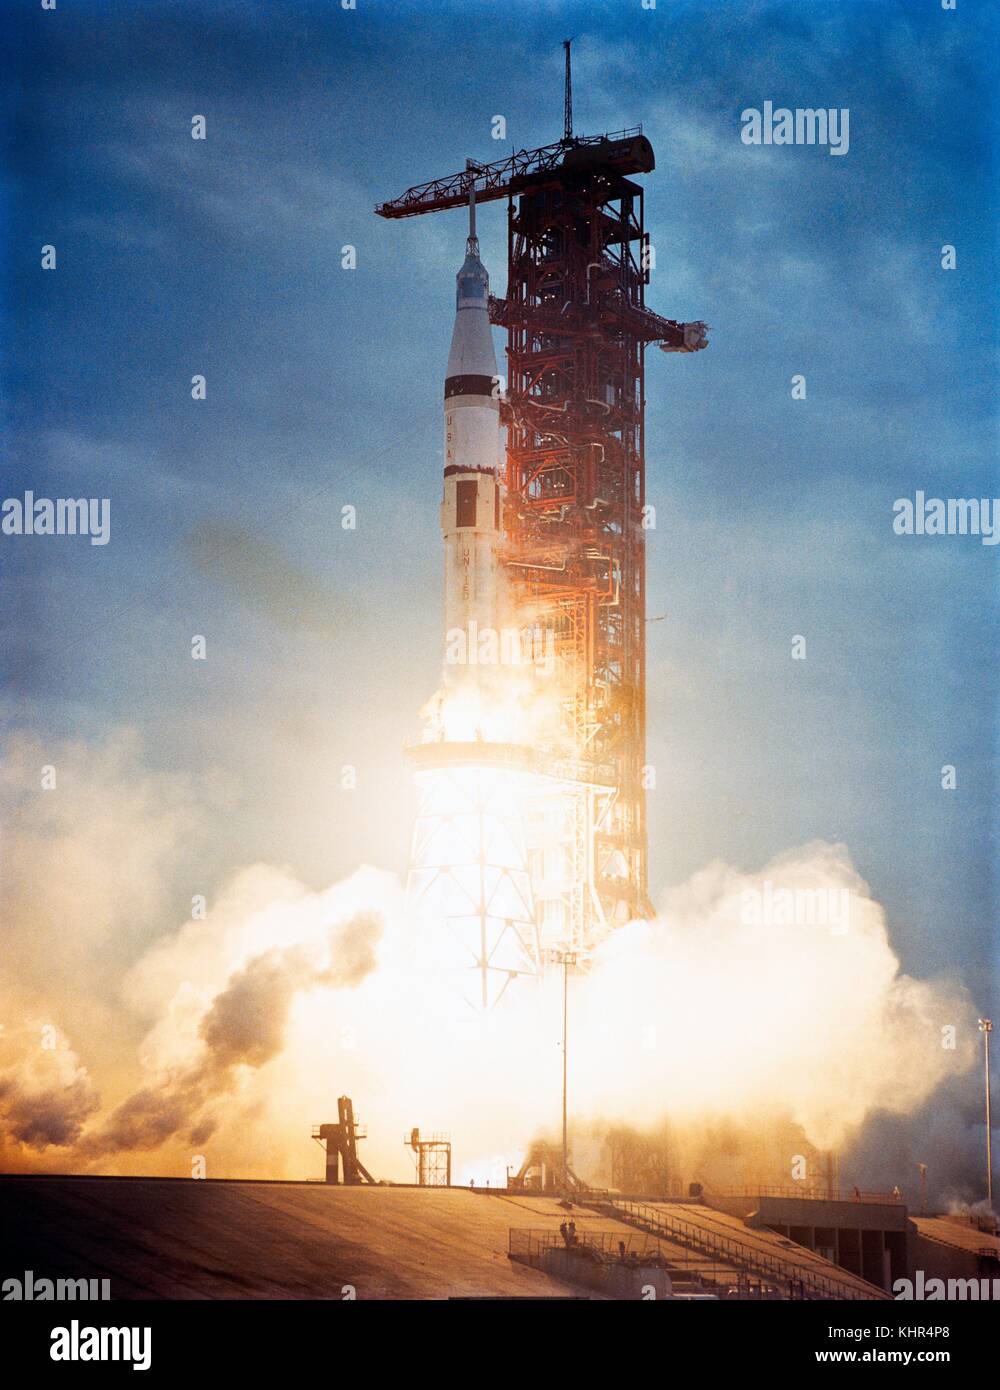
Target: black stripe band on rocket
<point>469,386</point>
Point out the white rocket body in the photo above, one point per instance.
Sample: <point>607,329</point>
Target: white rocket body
<point>470,510</point>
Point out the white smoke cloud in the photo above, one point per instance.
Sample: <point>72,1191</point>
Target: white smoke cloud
<point>804,1012</point>
<point>199,1055</point>
<point>46,1095</point>
<point>750,996</point>
<point>281,999</point>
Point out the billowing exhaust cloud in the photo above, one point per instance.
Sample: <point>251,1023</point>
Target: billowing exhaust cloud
<point>770,998</point>
<point>243,1027</point>
<point>752,999</point>
<point>774,991</point>
<point>46,1097</point>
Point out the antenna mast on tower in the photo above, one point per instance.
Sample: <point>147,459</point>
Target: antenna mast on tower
<point>472,245</point>
<point>568,104</point>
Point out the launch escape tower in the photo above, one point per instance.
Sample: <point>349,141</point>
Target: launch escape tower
<point>574,490</point>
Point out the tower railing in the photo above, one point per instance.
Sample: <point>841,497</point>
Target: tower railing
<point>656,1222</point>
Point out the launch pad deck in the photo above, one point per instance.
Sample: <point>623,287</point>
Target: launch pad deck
<point>179,1238</point>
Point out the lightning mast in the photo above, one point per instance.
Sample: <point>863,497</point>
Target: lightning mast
<point>568,99</point>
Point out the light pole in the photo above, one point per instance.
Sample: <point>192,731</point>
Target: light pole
<point>922,1170</point>
<point>986,1028</point>
<point>568,958</point>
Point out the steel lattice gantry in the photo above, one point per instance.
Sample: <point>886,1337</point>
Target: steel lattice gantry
<point>575,493</point>
<point>573,547</point>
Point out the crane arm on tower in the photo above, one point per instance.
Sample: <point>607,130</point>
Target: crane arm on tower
<point>625,149</point>
<point>613,313</point>
<point>491,181</point>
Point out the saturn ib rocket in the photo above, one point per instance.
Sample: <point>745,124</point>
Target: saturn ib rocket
<point>471,509</point>
<point>469,875</point>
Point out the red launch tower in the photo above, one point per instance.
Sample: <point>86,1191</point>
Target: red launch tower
<point>574,521</point>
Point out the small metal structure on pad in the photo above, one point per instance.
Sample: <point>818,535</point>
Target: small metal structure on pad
<point>432,1157</point>
<point>341,1142</point>
<point>542,1171</point>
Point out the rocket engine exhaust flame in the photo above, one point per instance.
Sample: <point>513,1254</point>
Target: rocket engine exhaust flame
<point>470,882</point>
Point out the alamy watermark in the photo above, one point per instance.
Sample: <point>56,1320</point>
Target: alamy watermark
<point>29,1289</point>
<point>947,516</point>
<point>830,126</point>
<point>505,646</point>
<point>796,907</point>
<point>954,1290</point>
<point>76,1343</point>
<point>59,516</point>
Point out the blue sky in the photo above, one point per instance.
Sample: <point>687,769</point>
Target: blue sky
<point>223,257</point>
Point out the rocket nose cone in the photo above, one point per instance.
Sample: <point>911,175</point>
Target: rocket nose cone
<point>471,287</point>
<point>471,341</point>
<point>472,282</point>
<point>472,263</point>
